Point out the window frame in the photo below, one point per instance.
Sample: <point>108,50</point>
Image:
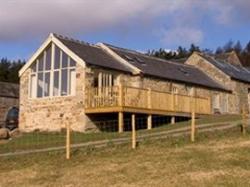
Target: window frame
<point>33,85</point>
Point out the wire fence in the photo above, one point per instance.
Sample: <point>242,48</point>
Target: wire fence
<point>135,129</point>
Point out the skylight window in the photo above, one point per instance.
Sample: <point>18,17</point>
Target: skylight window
<point>128,58</point>
<point>140,61</point>
<point>183,71</point>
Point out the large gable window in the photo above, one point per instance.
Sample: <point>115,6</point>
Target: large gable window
<point>52,74</point>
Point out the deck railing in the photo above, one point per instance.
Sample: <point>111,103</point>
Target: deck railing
<point>125,96</point>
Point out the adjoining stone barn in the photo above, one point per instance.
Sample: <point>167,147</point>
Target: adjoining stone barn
<point>9,98</point>
<point>70,81</point>
<point>227,70</point>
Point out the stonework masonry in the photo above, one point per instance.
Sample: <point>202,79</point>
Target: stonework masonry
<point>239,96</point>
<point>52,113</point>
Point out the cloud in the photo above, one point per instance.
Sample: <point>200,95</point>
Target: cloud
<point>19,18</point>
<point>29,18</point>
<point>181,36</point>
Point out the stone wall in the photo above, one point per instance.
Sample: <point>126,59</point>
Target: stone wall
<point>239,95</point>
<point>5,104</point>
<point>51,114</point>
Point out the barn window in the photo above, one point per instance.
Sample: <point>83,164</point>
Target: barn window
<point>52,74</point>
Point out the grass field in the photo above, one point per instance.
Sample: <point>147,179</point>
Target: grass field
<point>39,140</point>
<point>221,158</point>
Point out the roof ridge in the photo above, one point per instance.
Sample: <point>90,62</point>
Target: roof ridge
<point>73,40</point>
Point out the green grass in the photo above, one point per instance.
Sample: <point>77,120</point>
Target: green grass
<point>220,158</point>
<point>38,140</point>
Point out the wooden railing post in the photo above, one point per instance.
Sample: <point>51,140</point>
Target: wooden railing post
<point>121,95</point>
<point>173,100</point>
<point>149,98</point>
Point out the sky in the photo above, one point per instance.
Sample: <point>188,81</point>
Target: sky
<point>133,24</point>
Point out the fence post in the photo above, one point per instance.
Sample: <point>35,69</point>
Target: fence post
<point>193,127</point>
<point>67,140</point>
<point>133,132</point>
<point>193,119</point>
<point>244,123</point>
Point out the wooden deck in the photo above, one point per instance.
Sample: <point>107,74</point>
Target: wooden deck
<point>144,101</point>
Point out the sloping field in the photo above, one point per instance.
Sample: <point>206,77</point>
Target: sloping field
<point>220,158</point>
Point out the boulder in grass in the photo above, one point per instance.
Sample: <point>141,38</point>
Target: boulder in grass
<point>15,133</point>
<point>4,133</point>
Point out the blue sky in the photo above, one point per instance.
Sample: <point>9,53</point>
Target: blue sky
<point>139,25</point>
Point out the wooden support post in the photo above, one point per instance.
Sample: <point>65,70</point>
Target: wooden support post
<point>173,120</point>
<point>149,121</point>
<point>68,140</point>
<point>133,132</point>
<point>121,122</point>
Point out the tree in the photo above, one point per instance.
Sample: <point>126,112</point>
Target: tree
<point>237,47</point>
<point>228,47</point>
<point>181,52</point>
<point>247,48</point>
<point>219,50</point>
<point>194,48</point>
<point>9,70</point>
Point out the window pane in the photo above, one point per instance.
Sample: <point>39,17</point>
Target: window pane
<point>48,59</point>
<point>64,82</point>
<point>40,85</point>
<point>72,63</point>
<point>72,82</point>
<point>57,58</point>
<point>47,84</point>
<point>56,83</point>
<point>40,63</point>
<point>64,60</point>
<point>33,86</point>
<point>33,67</point>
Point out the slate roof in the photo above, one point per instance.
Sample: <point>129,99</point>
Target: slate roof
<point>9,90</point>
<point>93,55</point>
<point>166,69</point>
<point>239,73</point>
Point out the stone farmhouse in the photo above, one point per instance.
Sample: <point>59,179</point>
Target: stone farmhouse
<point>70,81</point>
<point>9,97</point>
<point>227,70</point>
